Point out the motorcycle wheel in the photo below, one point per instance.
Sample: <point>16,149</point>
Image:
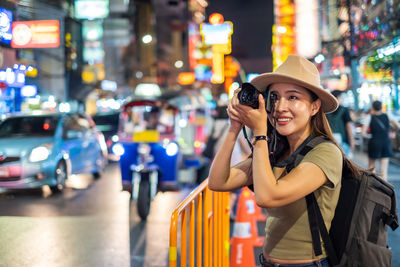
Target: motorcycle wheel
<point>143,202</point>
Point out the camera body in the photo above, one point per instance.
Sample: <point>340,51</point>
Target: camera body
<point>248,96</point>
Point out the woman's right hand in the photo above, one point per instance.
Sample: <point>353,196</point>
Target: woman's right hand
<point>236,124</point>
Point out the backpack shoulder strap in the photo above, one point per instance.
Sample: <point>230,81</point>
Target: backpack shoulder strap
<point>317,227</point>
<point>316,221</point>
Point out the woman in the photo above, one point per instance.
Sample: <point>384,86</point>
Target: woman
<point>379,146</point>
<point>299,113</point>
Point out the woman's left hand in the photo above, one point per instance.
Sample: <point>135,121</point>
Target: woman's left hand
<point>255,119</point>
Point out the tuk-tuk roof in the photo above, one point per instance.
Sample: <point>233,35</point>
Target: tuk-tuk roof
<point>148,102</point>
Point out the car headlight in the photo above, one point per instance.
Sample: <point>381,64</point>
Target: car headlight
<point>115,138</point>
<point>118,149</point>
<point>40,153</point>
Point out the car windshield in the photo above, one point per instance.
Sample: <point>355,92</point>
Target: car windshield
<point>107,123</point>
<point>28,126</point>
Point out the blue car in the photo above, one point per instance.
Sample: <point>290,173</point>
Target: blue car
<point>45,149</point>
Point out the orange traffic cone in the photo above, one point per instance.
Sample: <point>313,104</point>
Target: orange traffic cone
<point>260,216</point>
<point>244,229</point>
<point>252,209</point>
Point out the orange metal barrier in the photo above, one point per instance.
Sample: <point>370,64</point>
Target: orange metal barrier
<point>208,240</point>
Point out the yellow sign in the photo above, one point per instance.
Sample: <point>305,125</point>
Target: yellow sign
<point>147,136</point>
<point>33,72</point>
<point>186,78</point>
<point>283,32</point>
<point>200,121</point>
<point>218,75</point>
<point>217,33</point>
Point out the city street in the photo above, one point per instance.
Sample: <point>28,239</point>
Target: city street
<point>152,84</point>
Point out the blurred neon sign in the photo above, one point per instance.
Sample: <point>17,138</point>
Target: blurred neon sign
<point>29,90</point>
<point>186,78</point>
<point>218,35</point>
<point>35,34</point>
<point>108,85</point>
<point>6,18</point>
<point>390,49</point>
<point>91,9</point>
<point>12,78</point>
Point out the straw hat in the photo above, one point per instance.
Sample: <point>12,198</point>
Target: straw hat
<point>299,71</point>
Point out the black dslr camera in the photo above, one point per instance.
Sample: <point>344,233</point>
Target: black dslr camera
<point>248,96</point>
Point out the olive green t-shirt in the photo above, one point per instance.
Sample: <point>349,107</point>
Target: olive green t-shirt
<point>287,229</point>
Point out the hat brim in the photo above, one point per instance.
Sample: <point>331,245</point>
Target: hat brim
<point>329,102</point>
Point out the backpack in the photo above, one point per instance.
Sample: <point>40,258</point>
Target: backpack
<point>208,151</point>
<point>366,205</point>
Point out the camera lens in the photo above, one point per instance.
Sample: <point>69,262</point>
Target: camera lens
<point>248,95</point>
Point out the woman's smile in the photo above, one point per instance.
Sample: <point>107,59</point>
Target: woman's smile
<point>282,121</point>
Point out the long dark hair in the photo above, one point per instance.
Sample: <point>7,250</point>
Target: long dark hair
<point>319,127</point>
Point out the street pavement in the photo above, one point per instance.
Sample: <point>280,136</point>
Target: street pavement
<point>91,223</point>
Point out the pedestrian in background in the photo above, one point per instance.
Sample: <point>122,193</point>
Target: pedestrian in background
<point>342,125</point>
<point>219,126</point>
<point>379,145</point>
<point>299,115</point>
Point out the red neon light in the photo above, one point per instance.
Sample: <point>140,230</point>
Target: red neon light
<point>35,34</point>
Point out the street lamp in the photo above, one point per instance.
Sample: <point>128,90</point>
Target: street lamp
<point>146,39</point>
<point>319,58</point>
<point>178,64</point>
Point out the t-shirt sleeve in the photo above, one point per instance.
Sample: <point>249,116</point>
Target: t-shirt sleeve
<point>328,157</point>
<point>346,116</point>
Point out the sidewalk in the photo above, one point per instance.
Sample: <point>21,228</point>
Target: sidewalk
<point>361,159</point>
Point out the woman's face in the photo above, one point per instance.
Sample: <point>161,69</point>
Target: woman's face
<point>293,109</point>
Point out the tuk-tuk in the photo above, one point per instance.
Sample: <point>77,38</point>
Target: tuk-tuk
<point>149,152</point>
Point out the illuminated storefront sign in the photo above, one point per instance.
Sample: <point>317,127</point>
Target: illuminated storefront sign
<point>203,73</point>
<point>147,90</point>
<point>217,33</point>
<point>93,51</point>
<point>91,9</point>
<point>12,78</point>
<point>6,18</point>
<point>194,39</point>
<point>93,54</point>
<point>390,49</point>
<point>108,85</point>
<point>92,30</point>
<point>283,32</point>
<point>307,29</point>
<point>29,90</point>
<point>35,34</point>
<point>186,78</point>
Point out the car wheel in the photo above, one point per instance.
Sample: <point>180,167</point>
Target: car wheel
<point>100,163</point>
<point>61,176</point>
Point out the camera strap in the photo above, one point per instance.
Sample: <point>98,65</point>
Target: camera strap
<point>247,138</point>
